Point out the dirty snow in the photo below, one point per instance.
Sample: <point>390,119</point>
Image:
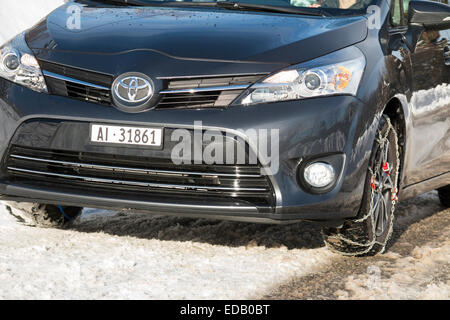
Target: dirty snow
<point>416,265</point>
<point>423,275</point>
<point>108,255</point>
<point>72,264</point>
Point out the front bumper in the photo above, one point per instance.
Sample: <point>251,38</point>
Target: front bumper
<point>307,129</point>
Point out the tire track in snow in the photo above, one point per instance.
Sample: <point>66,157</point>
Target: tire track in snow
<point>416,265</point>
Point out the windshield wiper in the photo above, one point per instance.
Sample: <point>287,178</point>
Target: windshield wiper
<point>230,5</point>
<point>125,2</point>
<point>269,8</point>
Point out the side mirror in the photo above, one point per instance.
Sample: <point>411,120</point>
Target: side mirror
<point>430,15</point>
<point>425,15</point>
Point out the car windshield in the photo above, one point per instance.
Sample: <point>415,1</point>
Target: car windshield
<point>306,7</point>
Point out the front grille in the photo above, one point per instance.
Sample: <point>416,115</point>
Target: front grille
<point>193,92</point>
<point>205,82</point>
<point>77,84</point>
<point>78,91</point>
<point>96,78</point>
<point>139,176</point>
<point>204,92</point>
<point>208,99</point>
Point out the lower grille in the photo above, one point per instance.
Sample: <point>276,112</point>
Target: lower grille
<point>139,175</point>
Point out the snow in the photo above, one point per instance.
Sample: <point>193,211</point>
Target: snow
<point>74,264</point>
<point>423,275</point>
<point>109,255</point>
<point>16,16</point>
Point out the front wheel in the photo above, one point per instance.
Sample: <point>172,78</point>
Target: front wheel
<point>370,232</point>
<point>41,215</point>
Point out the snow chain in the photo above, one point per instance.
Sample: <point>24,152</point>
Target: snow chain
<point>382,140</point>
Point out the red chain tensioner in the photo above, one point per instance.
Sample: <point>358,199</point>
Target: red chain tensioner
<point>395,195</point>
<point>386,167</point>
<point>373,184</point>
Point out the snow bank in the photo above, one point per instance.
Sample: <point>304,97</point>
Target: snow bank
<point>16,16</point>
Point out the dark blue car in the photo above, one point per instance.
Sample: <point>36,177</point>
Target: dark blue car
<point>270,111</point>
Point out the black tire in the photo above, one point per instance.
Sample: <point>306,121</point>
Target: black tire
<point>42,215</point>
<point>370,231</point>
<point>444,196</point>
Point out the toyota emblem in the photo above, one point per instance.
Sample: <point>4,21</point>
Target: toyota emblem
<point>132,92</point>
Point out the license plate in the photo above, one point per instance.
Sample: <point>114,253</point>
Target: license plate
<point>126,135</point>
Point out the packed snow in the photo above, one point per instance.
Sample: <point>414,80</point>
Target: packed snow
<point>423,275</point>
<point>108,255</point>
<point>162,258</point>
<point>415,266</point>
<point>418,266</point>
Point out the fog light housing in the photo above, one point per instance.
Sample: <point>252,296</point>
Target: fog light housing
<point>319,174</point>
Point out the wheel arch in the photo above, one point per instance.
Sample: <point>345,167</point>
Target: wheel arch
<point>396,109</point>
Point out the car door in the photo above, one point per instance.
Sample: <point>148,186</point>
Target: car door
<point>429,140</point>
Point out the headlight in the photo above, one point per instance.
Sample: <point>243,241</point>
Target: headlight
<point>18,64</point>
<point>316,78</point>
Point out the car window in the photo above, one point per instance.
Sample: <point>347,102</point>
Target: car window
<point>396,14</point>
<point>336,4</point>
<point>331,6</point>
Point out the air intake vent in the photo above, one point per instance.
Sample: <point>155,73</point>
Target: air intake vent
<point>140,176</point>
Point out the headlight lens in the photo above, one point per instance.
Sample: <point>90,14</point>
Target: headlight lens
<point>18,64</point>
<point>317,78</point>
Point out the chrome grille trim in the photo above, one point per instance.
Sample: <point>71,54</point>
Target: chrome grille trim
<point>262,74</point>
<point>68,79</point>
<point>137,170</point>
<point>135,183</point>
<point>206,89</point>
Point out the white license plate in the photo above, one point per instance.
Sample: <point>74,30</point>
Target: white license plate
<point>126,135</point>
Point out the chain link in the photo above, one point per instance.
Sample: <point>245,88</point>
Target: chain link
<point>381,140</point>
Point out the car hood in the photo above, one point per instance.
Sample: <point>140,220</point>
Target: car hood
<point>211,35</point>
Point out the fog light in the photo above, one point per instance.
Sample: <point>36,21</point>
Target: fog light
<point>319,174</point>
